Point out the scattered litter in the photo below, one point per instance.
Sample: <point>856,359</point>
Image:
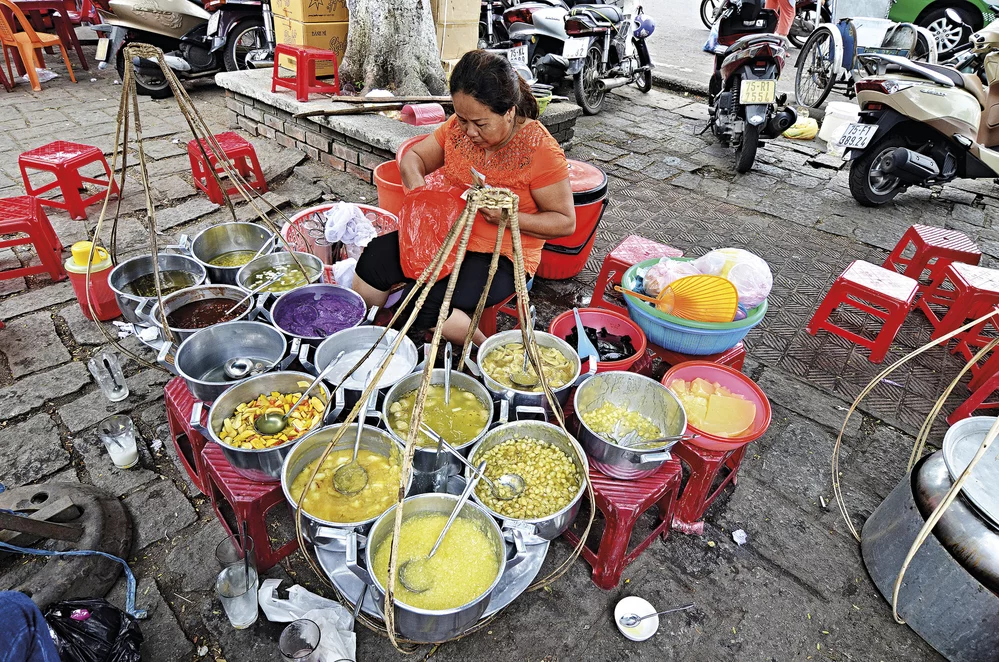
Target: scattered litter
<point>822,501</point>
<point>117,82</point>
<point>44,75</point>
<point>711,543</point>
<point>176,141</point>
<point>841,408</point>
<point>888,381</point>
<point>740,537</point>
<point>202,651</point>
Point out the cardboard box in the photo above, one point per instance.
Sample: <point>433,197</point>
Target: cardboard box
<point>456,39</point>
<point>455,11</point>
<point>328,36</point>
<point>311,11</point>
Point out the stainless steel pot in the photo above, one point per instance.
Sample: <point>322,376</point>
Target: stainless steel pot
<point>530,398</point>
<point>181,298</point>
<point>458,380</point>
<point>545,528</point>
<point>200,360</point>
<point>637,393</point>
<point>226,238</point>
<point>128,271</point>
<point>310,448</point>
<point>425,625</point>
<point>301,296</point>
<point>313,265</point>
<point>262,465</point>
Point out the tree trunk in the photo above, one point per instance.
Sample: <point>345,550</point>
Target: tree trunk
<point>392,45</point>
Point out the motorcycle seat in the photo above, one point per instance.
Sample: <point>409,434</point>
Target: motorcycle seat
<point>968,82</point>
<point>606,14</point>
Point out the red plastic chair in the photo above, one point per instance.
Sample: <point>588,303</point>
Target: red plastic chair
<point>64,160</point>
<point>239,152</point>
<point>304,81</point>
<point>24,215</point>
<point>933,249</point>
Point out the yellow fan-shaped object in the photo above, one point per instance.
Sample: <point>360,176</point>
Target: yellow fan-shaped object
<point>700,298</point>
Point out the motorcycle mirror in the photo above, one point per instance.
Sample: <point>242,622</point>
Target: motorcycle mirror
<point>953,16</point>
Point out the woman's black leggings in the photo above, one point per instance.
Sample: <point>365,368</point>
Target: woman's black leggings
<point>380,267</point>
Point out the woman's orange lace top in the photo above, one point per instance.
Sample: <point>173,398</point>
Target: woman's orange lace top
<point>531,160</point>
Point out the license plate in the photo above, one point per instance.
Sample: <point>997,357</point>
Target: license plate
<point>857,136</point>
<point>517,55</point>
<point>213,24</point>
<point>575,47</point>
<point>757,91</point>
<point>102,49</point>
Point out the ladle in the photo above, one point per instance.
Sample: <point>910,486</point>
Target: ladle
<point>273,423</point>
<point>523,378</point>
<point>351,478</point>
<point>255,290</point>
<point>584,347</point>
<point>631,620</point>
<point>505,488</point>
<point>240,367</point>
<point>410,576</point>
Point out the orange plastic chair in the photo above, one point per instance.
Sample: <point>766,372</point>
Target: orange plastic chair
<point>28,44</point>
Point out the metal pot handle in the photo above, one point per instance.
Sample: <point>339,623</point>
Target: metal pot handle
<point>184,246</point>
<point>261,308</point>
<point>166,349</point>
<point>528,532</point>
<point>352,546</point>
<point>303,354</point>
<point>334,539</point>
<point>195,420</point>
<point>146,315</point>
<point>659,456</point>
<point>292,354</point>
<point>504,415</point>
<point>369,319</point>
<point>529,409</point>
<point>584,376</point>
<point>516,538</point>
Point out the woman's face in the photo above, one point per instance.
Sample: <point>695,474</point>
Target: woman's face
<point>482,126</point>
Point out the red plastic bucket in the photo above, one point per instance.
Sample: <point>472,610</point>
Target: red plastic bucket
<point>102,297</point>
<point>388,181</point>
<point>566,257</point>
<point>405,147</point>
<point>615,323</point>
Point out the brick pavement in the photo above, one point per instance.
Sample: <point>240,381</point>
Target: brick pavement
<point>797,590</point>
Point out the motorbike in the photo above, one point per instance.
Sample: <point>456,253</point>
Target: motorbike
<point>923,124</point>
<point>807,15</point>
<point>492,28</point>
<point>743,104</point>
<point>223,35</point>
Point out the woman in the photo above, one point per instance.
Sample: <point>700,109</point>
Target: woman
<point>494,129</point>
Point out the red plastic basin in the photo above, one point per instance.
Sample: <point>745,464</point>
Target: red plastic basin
<point>615,323</point>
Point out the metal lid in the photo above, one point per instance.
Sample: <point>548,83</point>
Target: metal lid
<point>960,444</point>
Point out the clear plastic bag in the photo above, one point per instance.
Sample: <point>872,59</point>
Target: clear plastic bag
<point>425,219</point>
<point>94,631</point>
<point>748,272</point>
<point>665,272</point>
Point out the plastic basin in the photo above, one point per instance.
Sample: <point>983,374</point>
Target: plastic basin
<point>615,323</point>
<point>388,181</point>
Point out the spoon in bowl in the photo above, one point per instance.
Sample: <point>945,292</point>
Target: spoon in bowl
<point>412,574</point>
<point>523,378</point>
<point>241,367</point>
<point>273,422</point>
<point>631,620</point>
<point>504,488</point>
<point>351,478</point>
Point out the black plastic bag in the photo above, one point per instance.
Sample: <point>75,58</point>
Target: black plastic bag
<point>94,631</point>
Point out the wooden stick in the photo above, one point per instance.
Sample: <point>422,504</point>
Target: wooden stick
<point>393,99</point>
<point>356,110</point>
<point>40,528</point>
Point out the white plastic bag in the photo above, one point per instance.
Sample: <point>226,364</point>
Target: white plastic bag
<point>748,272</point>
<point>44,75</point>
<point>346,223</point>
<point>665,272</point>
<point>343,272</point>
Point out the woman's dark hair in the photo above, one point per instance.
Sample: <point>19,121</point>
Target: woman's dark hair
<point>491,80</point>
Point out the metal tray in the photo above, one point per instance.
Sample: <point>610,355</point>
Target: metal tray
<point>510,587</point>
<point>959,447</point>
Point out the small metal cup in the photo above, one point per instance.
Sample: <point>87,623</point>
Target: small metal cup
<point>430,472</point>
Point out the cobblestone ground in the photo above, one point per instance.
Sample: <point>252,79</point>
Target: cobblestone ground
<point>796,591</point>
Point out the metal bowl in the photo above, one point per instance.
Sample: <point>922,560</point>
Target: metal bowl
<point>264,464</point>
<point>637,393</point>
<point>302,296</point>
<point>226,238</point>
<point>458,380</point>
<point>200,359</point>
<point>518,397</point>
<point>248,271</point>
<point>180,298</point>
<point>363,338</point>
<point>128,271</point>
<point>552,526</point>
<point>310,447</point>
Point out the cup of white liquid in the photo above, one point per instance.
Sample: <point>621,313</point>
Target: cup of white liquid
<point>118,435</point>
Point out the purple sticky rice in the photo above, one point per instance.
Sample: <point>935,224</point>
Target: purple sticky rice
<point>311,314</point>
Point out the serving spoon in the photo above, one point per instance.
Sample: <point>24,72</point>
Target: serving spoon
<point>273,422</point>
<point>631,620</point>
<point>240,367</point>
<point>513,485</point>
<point>351,478</point>
<point>523,378</point>
<point>409,575</point>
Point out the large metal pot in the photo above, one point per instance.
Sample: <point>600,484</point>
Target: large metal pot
<point>293,301</point>
<point>518,397</point>
<point>226,238</point>
<point>637,393</point>
<point>262,465</point>
<point>310,448</point>
<point>425,625</point>
<point>200,360</point>
<point>128,271</point>
<point>181,298</point>
<point>313,266</point>
<point>545,528</point>
<point>458,380</point>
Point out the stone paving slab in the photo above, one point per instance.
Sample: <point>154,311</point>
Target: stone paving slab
<point>47,296</point>
<point>158,511</point>
<point>30,451</point>
<point>24,337</point>
<point>33,391</point>
<point>87,411</point>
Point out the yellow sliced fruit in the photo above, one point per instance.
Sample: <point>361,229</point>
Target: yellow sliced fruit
<point>727,416</point>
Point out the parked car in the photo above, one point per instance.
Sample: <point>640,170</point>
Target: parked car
<point>932,15</point>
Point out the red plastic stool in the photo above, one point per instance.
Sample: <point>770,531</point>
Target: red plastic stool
<point>188,442</point>
<point>237,499</point>
<point>881,292</point>
<point>508,306</point>
<point>240,154</point>
<point>64,160</point>
<point>978,399</point>
<point>304,81</point>
<point>631,251</point>
<point>705,467</point>
<point>24,215</point>
<point>933,249</point>
<point>623,502</point>
<point>959,292</point>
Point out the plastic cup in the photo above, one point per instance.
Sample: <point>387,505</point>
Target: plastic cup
<point>237,583</point>
<point>300,641</point>
<point>118,435</point>
<point>107,372</point>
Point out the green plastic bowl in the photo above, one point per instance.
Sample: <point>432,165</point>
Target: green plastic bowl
<point>543,99</point>
<point>752,318</point>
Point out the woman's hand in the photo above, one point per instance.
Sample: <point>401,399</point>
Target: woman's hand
<point>492,215</point>
<point>422,159</point>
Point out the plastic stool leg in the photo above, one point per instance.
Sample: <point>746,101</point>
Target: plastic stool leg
<point>975,400</point>
<point>613,549</point>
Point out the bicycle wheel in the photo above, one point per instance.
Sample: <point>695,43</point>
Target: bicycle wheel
<point>707,12</point>
<point>816,73</point>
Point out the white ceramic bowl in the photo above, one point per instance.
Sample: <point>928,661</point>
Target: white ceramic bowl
<point>639,606</point>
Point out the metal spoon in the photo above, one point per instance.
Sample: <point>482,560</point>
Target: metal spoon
<point>523,378</point>
<point>631,620</point>
<point>505,488</point>
<point>255,290</point>
<point>351,478</point>
<point>447,374</point>
<point>273,423</point>
<point>632,440</point>
<point>409,576</point>
<point>240,367</point>
<point>584,347</point>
